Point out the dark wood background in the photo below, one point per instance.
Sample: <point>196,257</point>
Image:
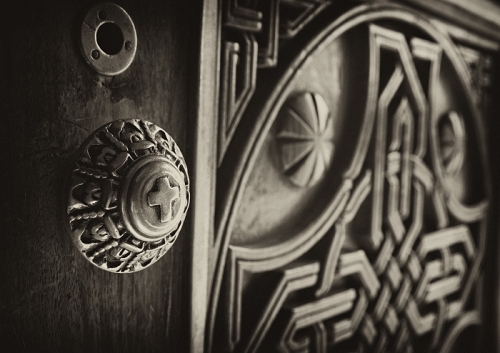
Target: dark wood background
<point>51,100</point>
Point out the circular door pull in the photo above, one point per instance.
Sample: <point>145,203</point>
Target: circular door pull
<point>128,197</point>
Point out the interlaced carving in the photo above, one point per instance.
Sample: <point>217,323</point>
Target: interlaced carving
<point>419,245</point>
<point>252,30</point>
<point>409,282</point>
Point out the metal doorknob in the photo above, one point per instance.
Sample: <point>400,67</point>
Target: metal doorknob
<point>128,196</point>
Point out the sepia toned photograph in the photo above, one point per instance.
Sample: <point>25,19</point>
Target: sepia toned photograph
<point>250,176</point>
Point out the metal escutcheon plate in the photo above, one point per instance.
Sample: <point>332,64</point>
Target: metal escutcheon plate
<point>108,39</point>
<point>128,197</point>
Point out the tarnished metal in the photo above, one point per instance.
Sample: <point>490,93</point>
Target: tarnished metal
<point>108,39</point>
<point>128,197</point>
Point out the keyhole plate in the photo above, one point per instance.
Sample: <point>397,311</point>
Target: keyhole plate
<point>108,39</point>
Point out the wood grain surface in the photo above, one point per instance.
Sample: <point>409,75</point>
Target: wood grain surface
<point>52,299</point>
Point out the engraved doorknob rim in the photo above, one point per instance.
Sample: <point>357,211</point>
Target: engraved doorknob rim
<point>128,195</point>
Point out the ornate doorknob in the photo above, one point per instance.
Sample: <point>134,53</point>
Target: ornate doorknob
<point>128,197</point>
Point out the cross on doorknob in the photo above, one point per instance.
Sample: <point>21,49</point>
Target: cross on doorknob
<point>163,198</point>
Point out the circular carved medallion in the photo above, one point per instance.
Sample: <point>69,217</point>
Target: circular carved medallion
<point>305,140</point>
<point>129,195</point>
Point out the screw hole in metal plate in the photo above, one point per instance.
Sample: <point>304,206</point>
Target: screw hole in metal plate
<point>108,39</point>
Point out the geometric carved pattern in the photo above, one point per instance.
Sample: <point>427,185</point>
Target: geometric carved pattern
<point>250,40</point>
<point>235,95</point>
<point>394,266</point>
<point>295,14</point>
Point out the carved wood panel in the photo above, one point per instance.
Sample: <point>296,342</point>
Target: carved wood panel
<point>353,186</point>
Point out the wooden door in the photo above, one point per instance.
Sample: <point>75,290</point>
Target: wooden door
<point>52,299</point>
<point>355,209</point>
<point>343,167</point>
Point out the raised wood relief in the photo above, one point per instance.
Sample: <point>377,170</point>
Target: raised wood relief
<point>305,138</point>
<point>250,40</point>
<point>355,214</point>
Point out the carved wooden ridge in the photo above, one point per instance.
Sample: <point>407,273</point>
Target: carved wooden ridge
<point>250,40</point>
<point>355,216</point>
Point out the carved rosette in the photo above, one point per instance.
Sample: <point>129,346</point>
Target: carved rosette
<point>129,196</point>
<point>305,140</point>
<point>452,144</point>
